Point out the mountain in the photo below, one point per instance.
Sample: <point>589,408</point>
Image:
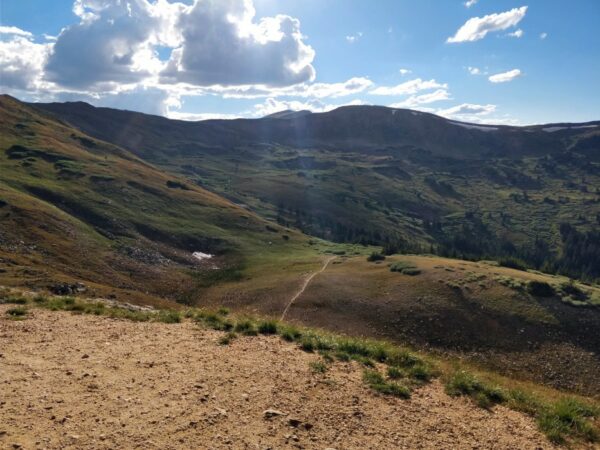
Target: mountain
<point>404,179</point>
<point>77,209</point>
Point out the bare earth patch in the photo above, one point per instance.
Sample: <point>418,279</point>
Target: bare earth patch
<point>72,381</point>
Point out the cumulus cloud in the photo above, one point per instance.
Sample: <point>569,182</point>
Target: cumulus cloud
<point>22,62</point>
<point>423,99</point>
<point>470,3</point>
<point>405,71</point>
<point>409,87</point>
<point>543,36</point>
<point>477,28</point>
<point>112,43</point>
<point>223,44</point>
<point>474,70</point>
<point>505,76</point>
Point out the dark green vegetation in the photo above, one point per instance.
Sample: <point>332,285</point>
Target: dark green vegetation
<point>406,180</point>
<point>562,419</point>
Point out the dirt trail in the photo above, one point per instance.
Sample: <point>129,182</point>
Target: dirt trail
<point>305,285</point>
<point>74,381</point>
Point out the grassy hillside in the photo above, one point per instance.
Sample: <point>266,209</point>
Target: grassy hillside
<point>377,175</point>
<point>74,208</point>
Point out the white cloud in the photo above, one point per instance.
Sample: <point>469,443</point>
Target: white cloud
<point>112,43</point>
<point>470,3</point>
<point>354,85</point>
<point>271,106</point>
<point>354,37</point>
<point>15,31</point>
<point>194,117</point>
<point>505,76</point>
<point>423,99</point>
<point>405,71</point>
<point>543,36</point>
<point>22,63</point>
<point>474,70</point>
<point>470,112</point>
<point>478,27</point>
<point>409,87</point>
<point>223,44</point>
<point>516,34</point>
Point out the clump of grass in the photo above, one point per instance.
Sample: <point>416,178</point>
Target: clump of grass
<point>377,382</point>
<point>375,256</point>
<point>226,340</point>
<point>465,383</point>
<point>223,311</point>
<point>267,327</point>
<point>405,268</point>
<point>169,316</point>
<point>289,333</point>
<point>395,373</point>
<point>246,327</point>
<point>540,289</point>
<point>19,312</point>
<point>318,366</point>
<point>569,417</point>
<point>15,300</point>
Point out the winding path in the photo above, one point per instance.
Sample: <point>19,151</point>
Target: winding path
<point>305,285</point>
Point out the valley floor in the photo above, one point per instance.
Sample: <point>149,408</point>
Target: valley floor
<point>80,381</point>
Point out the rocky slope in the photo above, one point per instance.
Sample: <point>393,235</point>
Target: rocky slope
<point>71,381</point>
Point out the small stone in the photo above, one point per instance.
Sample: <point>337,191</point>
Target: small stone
<point>270,413</point>
<point>85,356</point>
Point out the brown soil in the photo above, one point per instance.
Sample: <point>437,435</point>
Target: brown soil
<point>70,381</point>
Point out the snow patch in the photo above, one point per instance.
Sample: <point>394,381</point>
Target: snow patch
<point>202,256</point>
<point>553,129</point>
<point>473,127</point>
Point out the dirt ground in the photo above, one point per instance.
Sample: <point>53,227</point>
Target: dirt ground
<point>72,382</point>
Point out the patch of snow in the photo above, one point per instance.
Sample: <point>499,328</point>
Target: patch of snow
<point>473,127</point>
<point>201,256</point>
<point>584,126</point>
<point>553,129</point>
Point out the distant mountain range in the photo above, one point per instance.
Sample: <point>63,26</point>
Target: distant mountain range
<point>395,177</point>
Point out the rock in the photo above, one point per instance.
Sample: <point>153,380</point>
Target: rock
<point>85,356</point>
<point>270,413</point>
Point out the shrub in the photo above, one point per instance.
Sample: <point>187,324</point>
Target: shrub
<point>411,271</point>
<point>290,333</point>
<point>17,312</point>
<point>375,256</point>
<point>377,382</point>
<point>404,267</point>
<point>394,373</point>
<point>226,340</point>
<point>15,300</point>
<point>267,327</point>
<point>246,327</point>
<point>464,383</point>
<point>318,366</point>
<point>566,417</point>
<point>169,317</point>
<point>512,263</point>
<point>540,289</point>
<point>571,289</point>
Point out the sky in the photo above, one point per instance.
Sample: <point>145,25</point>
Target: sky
<point>483,61</point>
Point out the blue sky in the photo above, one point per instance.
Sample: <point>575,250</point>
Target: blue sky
<point>513,62</point>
